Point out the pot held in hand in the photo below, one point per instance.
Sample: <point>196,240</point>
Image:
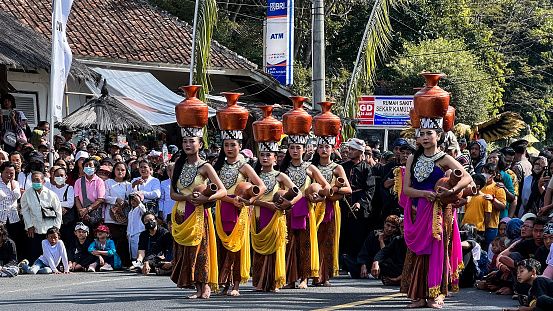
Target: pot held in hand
<point>340,182</point>
<point>286,194</point>
<point>206,190</point>
<point>317,191</point>
<point>449,183</point>
<point>246,190</point>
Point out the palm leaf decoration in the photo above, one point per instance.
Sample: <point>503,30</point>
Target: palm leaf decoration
<point>375,42</point>
<point>207,19</point>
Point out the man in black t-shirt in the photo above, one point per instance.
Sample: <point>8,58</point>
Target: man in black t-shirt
<point>148,239</point>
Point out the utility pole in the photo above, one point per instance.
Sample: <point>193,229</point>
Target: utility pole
<point>318,55</point>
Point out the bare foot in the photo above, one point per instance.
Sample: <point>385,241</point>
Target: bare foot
<point>303,284</point>
<point>192,296</point>
<point>290,286</point>
<point>434,303</point>
<point>234,292</point>
<point>276,290</point>
<point>223,292</point>
<point>326,283</point>
<point>206,292</point>
<point>419,303</point>
<point>440,299</point>
<point>505,291</point>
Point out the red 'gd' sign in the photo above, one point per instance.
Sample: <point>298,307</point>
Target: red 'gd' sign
<point>366,110</point>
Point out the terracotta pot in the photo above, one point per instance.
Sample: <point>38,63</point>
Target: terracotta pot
<point>288,195</point>
<point>470,190</point>
<point>191,112</point>
<point>207,190</point>
<point>268,128</point>
<point>297,121</point>
<point>246,190</point>
<point>449,119</point>
<point>448,183</point>
<point>340,182</point>
<point>326,123</point>
<point>233,116</point>
<point>431,101</point>
<point>318,190</point>
<point>415,120</point>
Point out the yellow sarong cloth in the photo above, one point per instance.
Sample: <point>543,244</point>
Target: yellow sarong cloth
<point>319,216</point>
<point>239,239</point>
<point>270,240</point>
<point>314,242</point>
<point>189,233</point>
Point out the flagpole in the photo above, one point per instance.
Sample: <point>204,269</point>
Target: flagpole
<point>194,42</point>
<point>52,77</point>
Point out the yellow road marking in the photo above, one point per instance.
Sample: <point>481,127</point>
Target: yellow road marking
<point>361,302</point>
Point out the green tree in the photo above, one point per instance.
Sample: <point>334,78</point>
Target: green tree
<point>471,87</point>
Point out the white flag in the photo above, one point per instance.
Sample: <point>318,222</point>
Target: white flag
<point>61,55</point>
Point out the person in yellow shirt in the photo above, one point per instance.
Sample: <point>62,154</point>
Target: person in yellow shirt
<point>496,196</point>
<point>478,210</point>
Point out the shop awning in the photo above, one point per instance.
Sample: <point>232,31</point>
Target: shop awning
<point>144,94</point>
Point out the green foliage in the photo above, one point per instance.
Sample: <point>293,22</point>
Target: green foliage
<point>471,89</point>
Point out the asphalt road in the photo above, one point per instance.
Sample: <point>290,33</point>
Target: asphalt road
<point>129,291</point>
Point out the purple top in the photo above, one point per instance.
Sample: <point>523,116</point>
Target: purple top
<point>265,216</point>
<point>189,209</point>
<point>229,215</point>
<point>299,213</point>
<point>329,211</point>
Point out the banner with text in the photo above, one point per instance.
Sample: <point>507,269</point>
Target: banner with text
<point>279,41</point>
<point>384,110</point>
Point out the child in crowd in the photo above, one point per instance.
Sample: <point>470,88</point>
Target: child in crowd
<point>547,241</point>
<point>135,225</point>
<point>502,228</point>
<point>104,248</point>
<point>497,198</point>
<point>53,251</point>
<point>78,255</point>
<point>478,210</point>
<point>498,245</point>
<point>540,295</point>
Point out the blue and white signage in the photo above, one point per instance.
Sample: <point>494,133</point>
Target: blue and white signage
<point>280,39</point>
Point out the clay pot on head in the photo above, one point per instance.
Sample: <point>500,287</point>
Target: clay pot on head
<point>449,119</point>
<point>415,120</point>
<point>326,123</point>
<point>207,190</point>
<point>340,182</point>
<point>233,116</point>
<point>191,112</point>
<point>268,128</point>
<point>297,121</point>
<point>246,190</point>
<point>431,101</point>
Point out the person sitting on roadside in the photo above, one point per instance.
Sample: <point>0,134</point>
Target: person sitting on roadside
<point>148,240</point>
<point>8,254</point>
<point>540,293</point>
<point>104,249</point>
<point>388,262</point>
<point>53,252</point>
<point>153,243</point>
<point>377,240</point>
<point>78,255</point>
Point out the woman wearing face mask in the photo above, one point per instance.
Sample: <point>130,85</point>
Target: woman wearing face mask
<point>534,187</point>
<point>66,194</point>
<point>90,194</point>
<point>77,171</point>
<point>118,188</point>
<point>302,252</point>
<point>232,212</point>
